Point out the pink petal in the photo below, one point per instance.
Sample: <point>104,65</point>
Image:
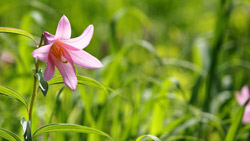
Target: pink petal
<point>68,47</point>
<point>84,59</point>
<point>83,40</point>
<point>245,91</point>
<point>63,30</point>
<point>67,71</point>
<point>48,38</point>
<point>49,70</point>
<point>243,96</point>
<point>246,116</point>
<point>42,53</point>
<point>240,99</point>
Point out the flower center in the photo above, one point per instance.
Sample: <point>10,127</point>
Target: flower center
<point>58,51</point>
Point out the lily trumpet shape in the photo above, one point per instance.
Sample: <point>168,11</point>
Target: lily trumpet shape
<point>241,98</point>
<point>63,52</point>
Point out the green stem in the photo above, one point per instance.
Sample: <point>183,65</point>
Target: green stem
<point>34,92</point>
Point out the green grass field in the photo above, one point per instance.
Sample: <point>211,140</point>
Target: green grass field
<point>171,69</point>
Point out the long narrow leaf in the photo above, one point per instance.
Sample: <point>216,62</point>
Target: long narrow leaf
<point>64,127</point>
<point>235,125</point>
<point>13,94</point>
<point>81,80</point>
<point>6,134</point>
<point>17,31</point>
<point>150,136</point>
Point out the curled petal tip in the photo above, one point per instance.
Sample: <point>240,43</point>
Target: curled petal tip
<point>64,17</point>
<point>91,25</point>
<point>45,33</point>
<point>97,66</point>
<point>48,38</point>
<point>100,65</point>
<point>91,28</point>
<point>72,87</point>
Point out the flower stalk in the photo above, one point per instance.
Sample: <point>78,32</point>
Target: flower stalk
<point>34,92</point>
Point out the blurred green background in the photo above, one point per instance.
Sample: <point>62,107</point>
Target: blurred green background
<point>174,67</point>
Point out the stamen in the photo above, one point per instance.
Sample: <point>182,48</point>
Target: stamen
<point>58,51</point>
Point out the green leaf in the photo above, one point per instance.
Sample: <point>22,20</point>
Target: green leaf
<point>26,129</point>
<point>65,127</point>
<point>42,84</point>
<point>81,80</point>
<point>17,31</point>
<point>13,94</point>
<point>150,136</point>
<point>235,125</point>
<point>6,134</point>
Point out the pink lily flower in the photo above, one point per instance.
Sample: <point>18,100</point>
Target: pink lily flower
<point>241,98</point>
<point>63,52</point>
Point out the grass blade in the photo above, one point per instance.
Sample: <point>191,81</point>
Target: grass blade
<point>17,31</point>
<point>13,94</point>
<point>65,127</point>
<point>235,125</point>
<point>150,136</point>
<point>6,134</point>
<point>81,80</point>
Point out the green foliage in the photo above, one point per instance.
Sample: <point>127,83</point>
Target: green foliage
<point>81,80</point>
<point>6,134</point>
<point>17,31</point>
<point>63,127</point>
<point>13,94</point>
<point>43,85</point>
<point>26,129</point>
<point>232,132</point>
<point>171,70</point>
<point>150,136</point>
